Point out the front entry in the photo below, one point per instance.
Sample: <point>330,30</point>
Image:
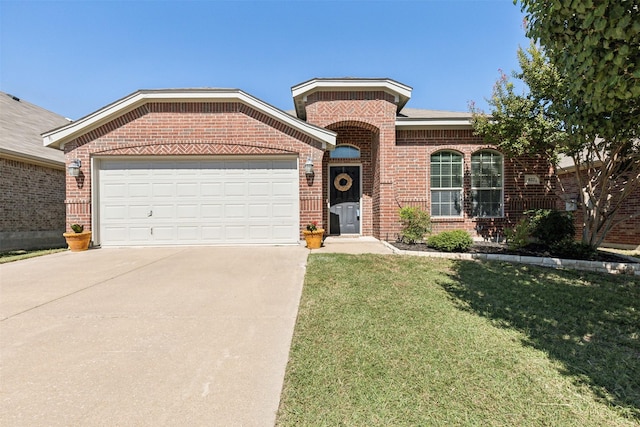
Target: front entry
<point>344,200</point>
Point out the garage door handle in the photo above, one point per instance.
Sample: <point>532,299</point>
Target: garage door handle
<point>150,213</point>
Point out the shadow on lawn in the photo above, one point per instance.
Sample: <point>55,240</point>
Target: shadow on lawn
<point>588,322</point>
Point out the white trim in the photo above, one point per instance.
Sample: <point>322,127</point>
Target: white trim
<point>400,92</point>
<point>453,123</point>
<point>397,88</point>
<point>59,136</point>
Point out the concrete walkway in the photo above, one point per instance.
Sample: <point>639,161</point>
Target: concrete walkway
<point>194,336</point>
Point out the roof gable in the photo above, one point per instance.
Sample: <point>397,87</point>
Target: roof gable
<point>399,91</point>
<point>60,136</point>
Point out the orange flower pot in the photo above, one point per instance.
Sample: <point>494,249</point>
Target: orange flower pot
<point>78,241</point>
<point>313,238</point>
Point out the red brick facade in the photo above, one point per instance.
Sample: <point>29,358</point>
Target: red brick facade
<point>178,129</point>
<point>394,160</point>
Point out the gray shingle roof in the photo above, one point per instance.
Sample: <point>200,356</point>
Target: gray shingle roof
<point>21,126</point>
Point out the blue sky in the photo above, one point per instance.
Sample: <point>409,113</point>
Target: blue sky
<point>74,57</point>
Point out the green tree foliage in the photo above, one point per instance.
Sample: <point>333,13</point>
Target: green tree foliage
<point>595,44</point>
<point>539,122</point>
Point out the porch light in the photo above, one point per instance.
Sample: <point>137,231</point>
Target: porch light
<point>74,167</point>
<point>308,167</point>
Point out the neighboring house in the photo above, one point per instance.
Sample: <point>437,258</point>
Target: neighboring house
<point>625,234</point>
<point>218,166</point>
<point>32,178</point>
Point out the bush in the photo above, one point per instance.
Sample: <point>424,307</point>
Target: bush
<point>451,241</point>
<point>518,236</point>
<point>551,226</point>
<point>571,249</point>
<point>416,223</point>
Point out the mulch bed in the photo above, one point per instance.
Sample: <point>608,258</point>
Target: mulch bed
<point>501,248</point>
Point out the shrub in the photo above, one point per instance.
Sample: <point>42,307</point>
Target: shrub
<point>518,236</point>
<point>571,249</point>
<point>416,223</point>
<point>451,241</point>
<point>551,226</point>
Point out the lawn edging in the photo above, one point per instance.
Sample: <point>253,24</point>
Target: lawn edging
<point>572,264</point>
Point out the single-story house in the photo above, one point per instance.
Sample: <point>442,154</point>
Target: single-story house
<point>219,166</point>
<point>32,178</point>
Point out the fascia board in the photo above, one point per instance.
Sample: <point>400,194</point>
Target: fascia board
<point>340,84</point>
<point>454,123</point>
<point>26,158</point>
<point>58,137</point>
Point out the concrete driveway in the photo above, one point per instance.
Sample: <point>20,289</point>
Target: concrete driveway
<point>194,336</point>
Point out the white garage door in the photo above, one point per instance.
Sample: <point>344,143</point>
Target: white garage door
<point>186,202</point>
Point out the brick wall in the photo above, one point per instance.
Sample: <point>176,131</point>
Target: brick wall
<point>358,116</point>
<point>31,205</point>
<point>413,152</point>
<point>205,128</point>
<point>625,234</point>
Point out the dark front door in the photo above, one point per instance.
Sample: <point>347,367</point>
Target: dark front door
<point>344,199</point>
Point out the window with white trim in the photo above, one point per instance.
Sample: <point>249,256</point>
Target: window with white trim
<point>486,184</point>
<point>446,184</point>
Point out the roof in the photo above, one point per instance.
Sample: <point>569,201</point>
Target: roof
<point>60,136</point>
<point>400,91</point>
<point>414,118</point>
<point>21,124</point>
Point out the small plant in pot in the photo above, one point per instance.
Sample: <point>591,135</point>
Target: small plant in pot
<point>78,240</point>
<point>313,235</point>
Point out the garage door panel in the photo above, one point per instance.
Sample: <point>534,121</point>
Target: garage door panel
<point>187,211</point>
<point>136,212</point>
<point>138,190</point>
<point>206,201</point>
<point>190,189</point>
<point>232,211</point>
<point>162,189</point>
<point>232,189</point>
<point>212,211</point>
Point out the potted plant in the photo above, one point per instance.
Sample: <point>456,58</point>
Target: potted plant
<point>78,240</point>
<point>313,235</point>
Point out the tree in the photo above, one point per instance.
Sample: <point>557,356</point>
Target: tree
<point>595,44</point>
<point>535,123</point>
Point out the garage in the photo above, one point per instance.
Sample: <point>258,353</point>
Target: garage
<point>197,201</point>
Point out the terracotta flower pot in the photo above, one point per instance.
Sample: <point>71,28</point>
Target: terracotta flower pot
<point>78,241</point>
<point>313,238</point>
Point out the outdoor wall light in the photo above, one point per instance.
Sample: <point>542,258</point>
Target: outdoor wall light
<point>74,167</point>
<point>308,167</point>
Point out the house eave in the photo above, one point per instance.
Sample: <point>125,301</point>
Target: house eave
<point>58,137</point>
<point>441,123</point>
<point>34,160</point>
<point>400,92</point>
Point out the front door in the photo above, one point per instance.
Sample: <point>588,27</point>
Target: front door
<point>344,200</point>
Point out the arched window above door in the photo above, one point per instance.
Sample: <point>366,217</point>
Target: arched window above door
<point>345,152</point>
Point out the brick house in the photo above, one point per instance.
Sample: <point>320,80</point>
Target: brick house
<point>32,178</point>
<point>219,166</point>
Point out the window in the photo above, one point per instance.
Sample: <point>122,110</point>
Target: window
<point>446,184</point>
<point>345,152</point>
<point>486,184</point>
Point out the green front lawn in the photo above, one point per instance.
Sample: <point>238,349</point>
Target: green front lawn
<point>409,341</point>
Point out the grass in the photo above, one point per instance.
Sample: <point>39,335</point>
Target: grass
<point>19,255</point>
<point>404,341</point>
